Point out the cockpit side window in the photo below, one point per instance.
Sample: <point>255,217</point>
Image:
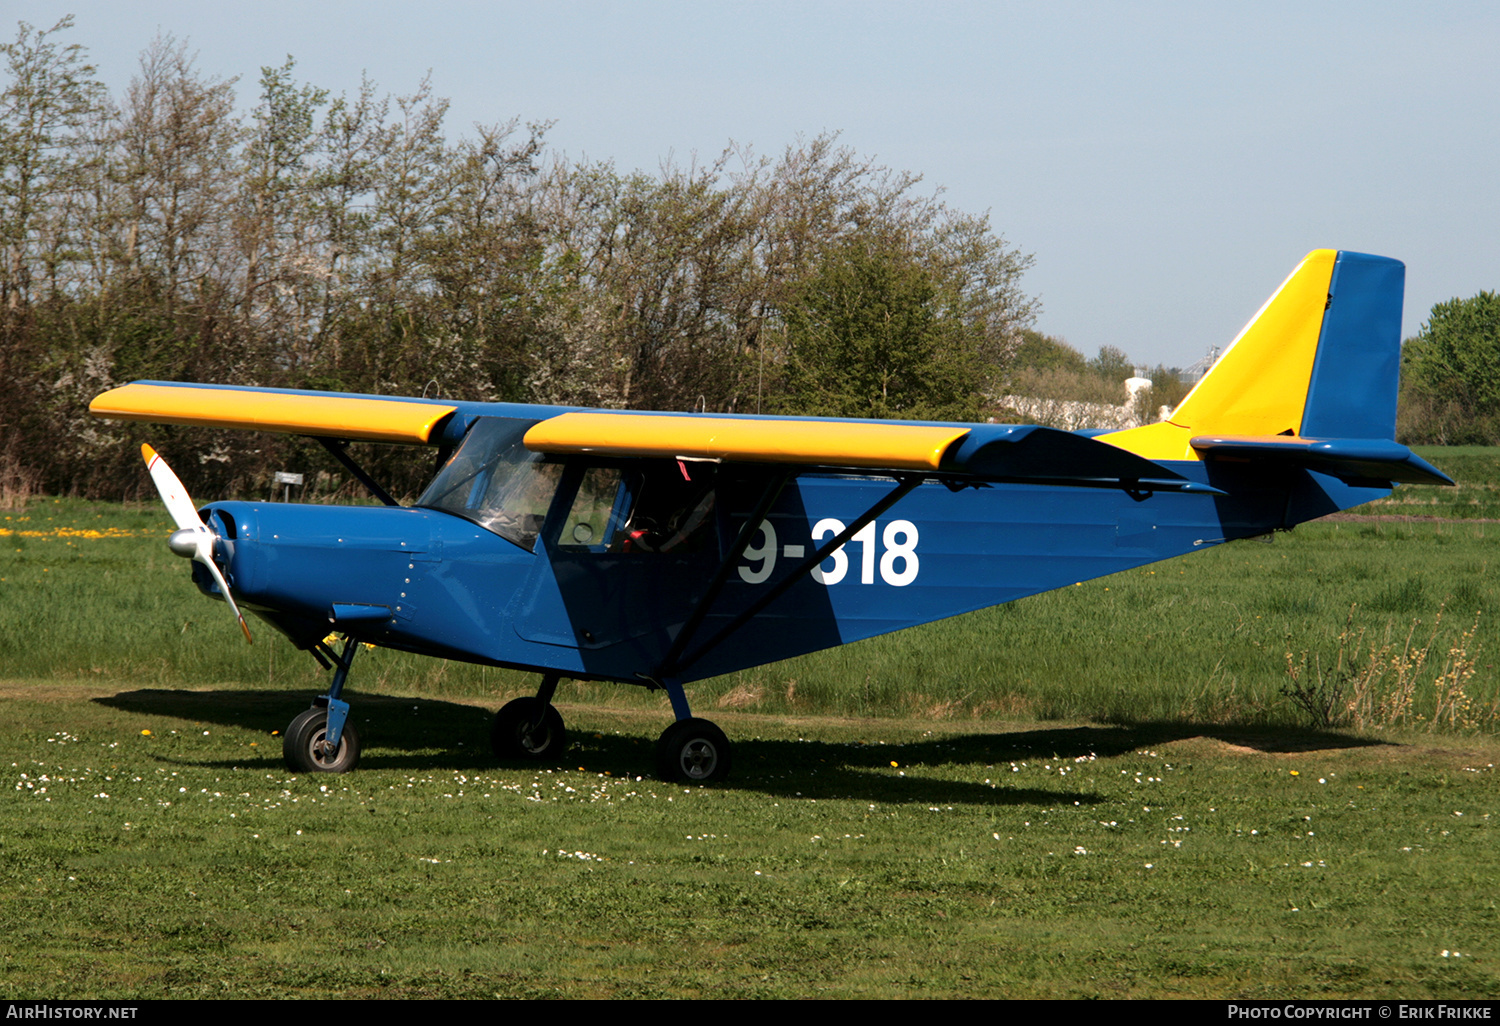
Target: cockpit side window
<point>495,481</point>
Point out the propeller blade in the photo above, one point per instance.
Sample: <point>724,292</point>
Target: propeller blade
<point>224,587</point>
<point>169,486</point>
<point>180,507</point>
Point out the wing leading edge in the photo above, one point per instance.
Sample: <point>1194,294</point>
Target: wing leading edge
<point>867,445</point>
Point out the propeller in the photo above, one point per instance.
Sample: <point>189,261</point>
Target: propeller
<point>192,539</point>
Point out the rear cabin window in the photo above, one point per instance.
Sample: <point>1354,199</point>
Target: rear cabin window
<point>673,509</point>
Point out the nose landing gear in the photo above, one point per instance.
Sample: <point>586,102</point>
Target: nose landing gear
<point>320,739</point>
<point>307,749</point>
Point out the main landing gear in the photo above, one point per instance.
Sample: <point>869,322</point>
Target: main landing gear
<point>530,728</point>
<point>690,751</point>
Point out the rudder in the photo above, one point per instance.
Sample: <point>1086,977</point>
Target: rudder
<point>1356,377</point>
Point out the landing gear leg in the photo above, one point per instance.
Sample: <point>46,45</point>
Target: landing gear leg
<point>530,728</point>
<point>320,739</point>
<point>690,751</point>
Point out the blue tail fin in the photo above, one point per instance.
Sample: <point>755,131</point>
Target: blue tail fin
<point>1356,374</point>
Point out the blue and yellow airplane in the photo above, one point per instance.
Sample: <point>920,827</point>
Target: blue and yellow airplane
<point>658,549</point>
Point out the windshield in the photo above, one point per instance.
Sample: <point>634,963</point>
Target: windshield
<point>495,481</point>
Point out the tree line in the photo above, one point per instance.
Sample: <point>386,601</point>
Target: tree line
<point>1450,375</point>
<point>346,242</point>
<point>1046,368</point>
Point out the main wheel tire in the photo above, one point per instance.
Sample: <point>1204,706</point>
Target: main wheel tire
<point>305,745</point>
<point>513,737</point>
<point>692,751</point>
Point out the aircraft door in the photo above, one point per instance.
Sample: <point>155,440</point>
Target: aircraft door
<point>625,552</point>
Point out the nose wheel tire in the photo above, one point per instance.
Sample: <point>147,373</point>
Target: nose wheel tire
<point>692,751</point>
<point>306,749</point>
<point>514,737</point>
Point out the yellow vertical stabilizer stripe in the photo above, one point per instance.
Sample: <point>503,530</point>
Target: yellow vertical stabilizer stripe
<point>307,413</point>
<point>808,442</point>
<point>1259,386</point>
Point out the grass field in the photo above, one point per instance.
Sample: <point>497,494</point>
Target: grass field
<point>849,858</point>
<point>1102,792</point>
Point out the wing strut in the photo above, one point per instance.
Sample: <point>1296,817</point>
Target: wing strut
<point>768,499</point>
<point>336,450</point>
<point>671,665</point>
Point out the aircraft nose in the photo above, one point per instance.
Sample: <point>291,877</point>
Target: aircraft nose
<point>184,542</point>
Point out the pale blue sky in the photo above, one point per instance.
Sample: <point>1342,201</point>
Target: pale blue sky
<point>1166,164</point>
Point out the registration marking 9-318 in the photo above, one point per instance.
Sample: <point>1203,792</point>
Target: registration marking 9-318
<point>898,563</point>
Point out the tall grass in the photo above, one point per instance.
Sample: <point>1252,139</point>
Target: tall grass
<point>1375,679</point>
<point>1202,638</point>
<point>1475,468</point>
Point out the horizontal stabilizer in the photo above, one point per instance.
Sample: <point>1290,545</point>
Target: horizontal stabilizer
<point>1347,458</point>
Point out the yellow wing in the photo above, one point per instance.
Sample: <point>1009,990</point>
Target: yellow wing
<point>306,413</point>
